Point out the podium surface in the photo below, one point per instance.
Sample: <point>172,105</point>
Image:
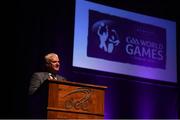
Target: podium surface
<point>72,100</point>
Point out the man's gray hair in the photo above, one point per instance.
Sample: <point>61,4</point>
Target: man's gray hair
<point>49,56</point>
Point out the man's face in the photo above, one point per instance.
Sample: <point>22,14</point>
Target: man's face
<point>54,64</point>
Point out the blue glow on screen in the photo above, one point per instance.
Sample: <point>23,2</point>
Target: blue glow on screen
<point>82,60</point>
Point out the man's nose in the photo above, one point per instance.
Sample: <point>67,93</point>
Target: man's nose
<point>57,63</point>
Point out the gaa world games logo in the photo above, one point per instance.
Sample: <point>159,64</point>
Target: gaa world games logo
<point>122,40</point>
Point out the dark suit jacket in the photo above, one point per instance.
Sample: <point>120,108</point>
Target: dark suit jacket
<point>38,94</point>
<point>38,79</point>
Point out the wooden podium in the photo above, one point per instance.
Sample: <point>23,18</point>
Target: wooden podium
<point>72,100</point>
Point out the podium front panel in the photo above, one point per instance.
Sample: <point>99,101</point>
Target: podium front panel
<point>73,101</point>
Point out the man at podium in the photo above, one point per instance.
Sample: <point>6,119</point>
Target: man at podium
<point>38,87</point>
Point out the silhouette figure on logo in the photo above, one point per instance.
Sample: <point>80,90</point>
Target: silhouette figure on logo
<point>103,36</point>
<point>113,41</point>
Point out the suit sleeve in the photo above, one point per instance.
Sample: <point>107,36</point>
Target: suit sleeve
<point>35,83</point>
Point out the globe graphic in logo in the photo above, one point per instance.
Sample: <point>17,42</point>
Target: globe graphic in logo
<point>107,36</point>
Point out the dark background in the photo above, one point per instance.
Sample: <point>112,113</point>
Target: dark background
<point>48,26</point>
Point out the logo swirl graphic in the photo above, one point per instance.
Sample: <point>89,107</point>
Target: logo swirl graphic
<point>78,104</point>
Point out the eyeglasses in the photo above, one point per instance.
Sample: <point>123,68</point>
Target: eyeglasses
<point>55,62</point>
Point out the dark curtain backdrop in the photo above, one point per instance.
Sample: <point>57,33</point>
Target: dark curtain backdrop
<point>48,26</point>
